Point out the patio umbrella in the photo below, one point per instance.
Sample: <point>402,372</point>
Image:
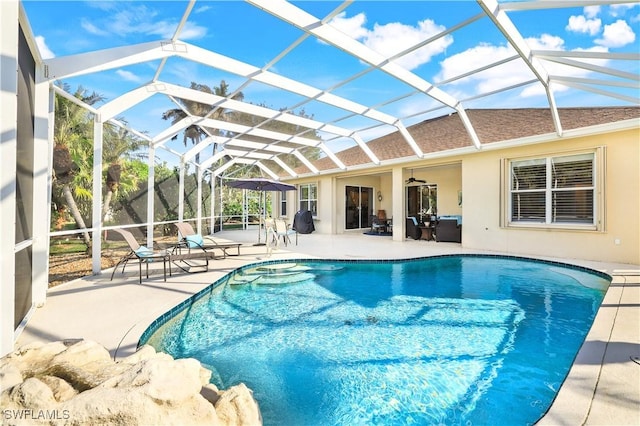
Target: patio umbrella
<point>260,184</point>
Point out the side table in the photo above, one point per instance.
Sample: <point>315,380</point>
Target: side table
<point>427,232</point>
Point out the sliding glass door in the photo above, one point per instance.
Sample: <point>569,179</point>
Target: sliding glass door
<point>422,200</point>
<point>358,207</point>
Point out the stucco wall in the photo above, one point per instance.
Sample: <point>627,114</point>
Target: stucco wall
<point>322,221</point>
<point>478,176</point>
<point>618,241</point>
<point>449,181</point>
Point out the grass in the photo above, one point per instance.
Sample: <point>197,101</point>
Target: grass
<point>62,246</point>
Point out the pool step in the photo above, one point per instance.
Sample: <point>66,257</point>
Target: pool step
<point>326,268</point>
<point>240,279</point>
<point>276,266</point>
<point>284,279</point>
<point>280,273</point>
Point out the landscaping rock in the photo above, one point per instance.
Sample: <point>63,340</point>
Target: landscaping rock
<point>236,406</point>
<point>76,382</point>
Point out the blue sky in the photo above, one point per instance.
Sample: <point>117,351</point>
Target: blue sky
<point>242,31</point>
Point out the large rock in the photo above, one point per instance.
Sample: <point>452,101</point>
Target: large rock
<point>236,406</point>
<point>76,382</point>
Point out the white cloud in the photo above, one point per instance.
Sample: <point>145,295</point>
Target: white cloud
<point>44,50</point>
<point>128,76</point>
<point>579,24</point>
<point>498,77</point>
<point>353,27</point>
<point>591,11</point>
<point>390,39</point>
<point>620,9</point>
<point>546,42</point>
<point>507,74</point>
<point>617,34</point>
<point>202,9</point>
<point>92,29</point>
<point>192,31</point>
<point>124,20</point>
<point>471,59</point>
<point>106,6</point>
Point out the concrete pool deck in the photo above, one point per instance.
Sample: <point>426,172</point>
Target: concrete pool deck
<point>603,386</point>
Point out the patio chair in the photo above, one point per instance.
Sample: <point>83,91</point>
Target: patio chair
<point>413,228</point>
<point>188,238</point>
<point>378,225</point>
<point>142,254</point>
<point>283,230</point>
<point>448,230</point>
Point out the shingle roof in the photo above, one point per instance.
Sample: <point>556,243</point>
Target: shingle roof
<point>492,125</point>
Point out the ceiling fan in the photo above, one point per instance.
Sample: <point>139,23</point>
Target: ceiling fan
<point>412,179</point>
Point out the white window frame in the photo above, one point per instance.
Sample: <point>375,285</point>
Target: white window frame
<point>597,187</point>
<point>283,204</point>
<point>308,201</point>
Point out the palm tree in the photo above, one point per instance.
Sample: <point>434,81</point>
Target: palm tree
<point>72,133</point>
<point>194,132</point>
<point>119,144</point>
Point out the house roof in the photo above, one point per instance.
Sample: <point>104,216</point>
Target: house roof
<point>492,125</point>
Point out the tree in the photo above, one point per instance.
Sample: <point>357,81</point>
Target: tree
<point>118,147</point>
<point>195,133</point>
<point>73,130</point>
<point>73,159</point>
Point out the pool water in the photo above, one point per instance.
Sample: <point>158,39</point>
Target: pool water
<point>443,340</point>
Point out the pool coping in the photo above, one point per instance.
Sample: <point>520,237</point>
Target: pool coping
<point>573,402</point>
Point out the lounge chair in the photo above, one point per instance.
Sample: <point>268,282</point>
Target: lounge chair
<point>283,230</point>
<point>188,238</point>
<point>142,254</point>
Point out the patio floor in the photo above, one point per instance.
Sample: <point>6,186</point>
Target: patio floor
<point>603,386</point>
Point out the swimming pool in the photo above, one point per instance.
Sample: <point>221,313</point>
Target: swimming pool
<point>440,340</point>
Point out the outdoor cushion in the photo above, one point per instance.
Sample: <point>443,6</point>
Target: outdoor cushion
<point>194,241</point>
<point>143,251</point>
<point>457,218</point>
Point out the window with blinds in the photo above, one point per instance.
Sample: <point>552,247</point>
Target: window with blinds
<point>553,190</point>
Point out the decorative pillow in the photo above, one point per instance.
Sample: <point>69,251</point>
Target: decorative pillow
<point>144,251</point>
<point>194,241</point>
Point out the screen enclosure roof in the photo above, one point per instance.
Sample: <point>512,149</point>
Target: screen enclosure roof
<point>306,80</point>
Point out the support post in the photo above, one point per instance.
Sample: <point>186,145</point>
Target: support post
<point>96,235</point>
<point>44,117</point>
<point>151,195</point>
<point>199,201</point>
<point>398,204</point>
<point>8,152</point>
<point>181,192</point>
<point>213,204</point>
